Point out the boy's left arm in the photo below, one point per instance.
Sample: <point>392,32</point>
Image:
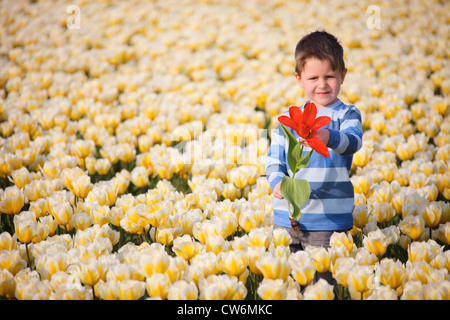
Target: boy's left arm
<point>348,140</point>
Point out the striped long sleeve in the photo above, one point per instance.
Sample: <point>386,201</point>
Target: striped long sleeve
<point>332,197</point>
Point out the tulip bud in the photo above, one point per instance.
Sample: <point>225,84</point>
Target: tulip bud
<point>234,262</point>
<point>360,215</point>
<point>12,200</point>
<point>183,290</point>
<point>376,242</point>
<point>360,279</point>
<point>392,273</point>
<point>158,285</point>
<point>383,211</point>
<point>412,226</point>
<point>272,289</point>
<point>273,267</point>
<point>321,290</point>
<point>321,258</point>
<point>139,176</point>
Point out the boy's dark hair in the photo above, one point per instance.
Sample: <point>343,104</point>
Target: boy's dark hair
<point>320,45</point>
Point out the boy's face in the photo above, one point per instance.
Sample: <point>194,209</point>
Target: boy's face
<point>320,82</point>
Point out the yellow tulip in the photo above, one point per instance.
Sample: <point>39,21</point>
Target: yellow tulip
<point>166,236</point>
<point>131,289</point>
<point>7,242</point>
<point>158,285</point>
<point>321,258</point>
<point>108,290</point>
<point>436,291</point>
<point>253,255</point>
<point>101,215</point>
<point>281,237</point>
<point>404,151</point>
<point>61,211</point>
<point>341,239</point>
<point>186,247</point>
<point>272,289</point>
<point>383,211</point>
<point>99,195</point>
<point>216,244</point>
<point>183,290</point>
<point>194,273</point>
<point>382,194</point>
<point>81,186</point>
<point>12,261</point>
<point>221,287</point>
<point>39,207</point>
<point>82,220</point>
<point>360,279</point>
<point>362,157</point>
<point>259,238</point>
<point>362,184</point>
<point>413,290</point>
<point>7,284</point>
<point>360,215</point>
<point>420,251</point>
<point>21,177</point>
<point>431,214</point>
<point>382,293</point>
<point>376,242</point>
<point>83,148</point>
<point>33,290</point>
<point>273,267</point>
<point>35,190</point>
<point>158,216</point>
<point>90,271</point>
<point>304,275</point>
<point>201,230</point>
<point>154,261</point>
<point>176,268</point>
<point>12,200</point>
<point>49,264</point>
<point>134,220</point>
<point>139,176</point>
<point>418,270</point>
<point>412,226</point>
<point>49,221</point>
<point>321,290</point>
<point>233,262</point>
<point>392,273</point>
<point>342,267</point>
<point>25,230</point>
<point>230,191</point>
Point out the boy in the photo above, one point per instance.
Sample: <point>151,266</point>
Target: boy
<point>320,71</point>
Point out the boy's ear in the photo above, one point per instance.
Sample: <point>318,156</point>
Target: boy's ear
<point>344,73</point>
<point>299,79</point>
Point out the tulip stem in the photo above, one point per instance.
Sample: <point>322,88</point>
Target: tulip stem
<point>28,256</point>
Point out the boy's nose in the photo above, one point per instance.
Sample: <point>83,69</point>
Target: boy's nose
<point>322,83</point>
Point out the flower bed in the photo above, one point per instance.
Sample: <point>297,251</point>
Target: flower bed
<point>133,144</point>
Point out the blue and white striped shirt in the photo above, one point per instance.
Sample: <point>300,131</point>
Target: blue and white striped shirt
<point>332,197</point>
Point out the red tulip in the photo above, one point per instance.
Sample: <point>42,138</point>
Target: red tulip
<point>306,124</point>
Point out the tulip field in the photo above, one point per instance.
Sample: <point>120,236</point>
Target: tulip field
<point>133,143</point>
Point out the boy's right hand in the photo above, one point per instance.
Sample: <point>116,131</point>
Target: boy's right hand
<point>277,191</point>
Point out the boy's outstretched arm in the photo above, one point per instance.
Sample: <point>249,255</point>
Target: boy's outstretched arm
<point>348,140</point>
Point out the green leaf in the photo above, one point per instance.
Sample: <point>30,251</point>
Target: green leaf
<point>303,161</point>
<point>297,192</point>
<point>292,161</point>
